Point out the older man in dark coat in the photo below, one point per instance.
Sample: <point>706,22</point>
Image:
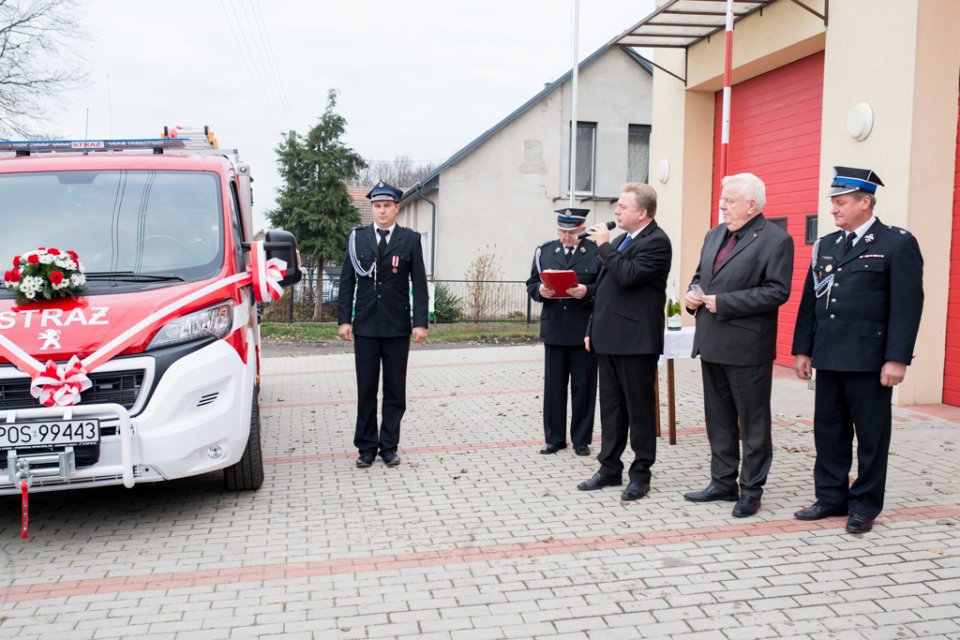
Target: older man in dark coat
<point>744,274</point>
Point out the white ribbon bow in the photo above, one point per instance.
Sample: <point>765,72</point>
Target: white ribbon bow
<point>60,385</point>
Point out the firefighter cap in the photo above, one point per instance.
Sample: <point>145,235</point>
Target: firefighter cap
<point>384,191</point>
<point>570,218</point>
<point>848,180</point>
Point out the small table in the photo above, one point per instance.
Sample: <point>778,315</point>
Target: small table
<point>676,344</point>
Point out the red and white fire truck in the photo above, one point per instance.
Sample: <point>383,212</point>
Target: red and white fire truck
<point>150,371</point>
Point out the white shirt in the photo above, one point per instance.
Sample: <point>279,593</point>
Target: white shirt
<point>860,231</point>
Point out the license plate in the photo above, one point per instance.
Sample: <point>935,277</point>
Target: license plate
<point>23,435</point>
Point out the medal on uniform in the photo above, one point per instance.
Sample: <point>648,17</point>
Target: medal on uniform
<point>396,263</point>
<point>828,268</point>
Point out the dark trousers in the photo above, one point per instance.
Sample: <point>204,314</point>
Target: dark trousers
<point>577,366</point>
<point>731,392</point>
<point>627,407</point>
<point>848,403</point>
<point>369,353</point>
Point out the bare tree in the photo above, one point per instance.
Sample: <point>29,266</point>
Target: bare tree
<point>35,59</point>
<point>402,172</point>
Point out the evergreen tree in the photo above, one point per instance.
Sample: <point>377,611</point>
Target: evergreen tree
<point>313,202</point>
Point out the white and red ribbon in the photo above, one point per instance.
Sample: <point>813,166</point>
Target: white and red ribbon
<point>61,385</point>
<point>266,274</point>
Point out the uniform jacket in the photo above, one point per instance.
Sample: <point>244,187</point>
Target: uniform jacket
<point>382,307</point>
<point>564,321</point>
<point>871,312</point>
<point>630,295</point>
<point>750,286</point>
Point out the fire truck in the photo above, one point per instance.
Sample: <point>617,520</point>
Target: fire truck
<point>150,369</point>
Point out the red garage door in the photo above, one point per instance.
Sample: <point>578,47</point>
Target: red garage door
<point>775,134</point>
<point>951,365</point>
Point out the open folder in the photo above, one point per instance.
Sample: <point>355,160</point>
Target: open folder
<point>559,280</point>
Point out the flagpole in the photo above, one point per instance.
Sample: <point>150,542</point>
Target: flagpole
<point>725,123</point>
<point>575,5</point>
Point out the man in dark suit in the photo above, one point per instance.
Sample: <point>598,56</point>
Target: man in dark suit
<point>626,333</point>
<point>857,325</point>
<point>382,261</point>
<point>744,274</point>
<point>563,323</point>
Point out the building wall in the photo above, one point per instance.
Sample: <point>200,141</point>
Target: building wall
<point>500,197</point>
<point>900,56</point>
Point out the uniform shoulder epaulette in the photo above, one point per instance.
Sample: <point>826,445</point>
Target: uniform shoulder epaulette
<point>541,246</point>
<point>899,230</point>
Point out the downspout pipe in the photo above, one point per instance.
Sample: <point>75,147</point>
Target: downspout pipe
<point>433,230</point>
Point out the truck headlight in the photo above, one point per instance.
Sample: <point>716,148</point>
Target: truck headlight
<point>212,322</point>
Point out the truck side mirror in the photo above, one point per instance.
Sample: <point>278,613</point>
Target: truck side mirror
<point>281,244</point>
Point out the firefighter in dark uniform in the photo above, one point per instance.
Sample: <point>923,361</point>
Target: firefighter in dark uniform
<point>563,323</point>
<point>857,326</point>
<point>383,261</point>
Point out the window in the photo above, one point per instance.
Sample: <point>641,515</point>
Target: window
<point>780,222</point>
<point>638,153</point>
<point>811,230</point>
<point>586,153</point>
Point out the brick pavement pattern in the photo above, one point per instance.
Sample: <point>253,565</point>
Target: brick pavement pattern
<point>477,536</point>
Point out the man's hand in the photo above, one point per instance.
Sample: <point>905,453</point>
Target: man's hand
<point>600,233</point>
<point>345,331</point>
<point>419,334</point>
<point>546,292</point>
<point>802,365</point>
<point>892,373</point>
<point>578,292</point>
<point>586,343</point>
<point>710,302</point>
<point>692,300</point>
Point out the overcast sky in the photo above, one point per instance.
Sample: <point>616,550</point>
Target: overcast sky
<point>418,77</point>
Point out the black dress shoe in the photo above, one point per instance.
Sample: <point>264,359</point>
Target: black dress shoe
<point>746,506</point>
<point>581,449</point>
<point>365,460</point>
<point>635,490</point>
<point>390,458</point>
<point>711,494</point>
<point>818,511</point>
<point>551,448</point>
<point>599,481</point>
<point>857,523</point>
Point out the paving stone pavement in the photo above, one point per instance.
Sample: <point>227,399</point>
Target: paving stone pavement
<point>477,536</point>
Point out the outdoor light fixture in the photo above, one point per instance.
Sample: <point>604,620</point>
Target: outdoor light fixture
<point>663,170</point>
<point>860,121</point>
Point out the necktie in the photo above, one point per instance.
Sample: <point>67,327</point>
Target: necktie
<point>382,245</point>
<point>623,245</point>
<point>725,251</point>
<point>848,244</point>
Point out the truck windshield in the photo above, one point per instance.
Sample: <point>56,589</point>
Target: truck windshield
<point>128,224</point>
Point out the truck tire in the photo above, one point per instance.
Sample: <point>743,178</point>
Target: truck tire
<point>247,474</point>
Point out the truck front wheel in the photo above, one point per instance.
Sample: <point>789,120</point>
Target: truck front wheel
<point>247,474</point>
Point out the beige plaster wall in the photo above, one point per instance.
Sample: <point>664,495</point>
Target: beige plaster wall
<point>911,82</point>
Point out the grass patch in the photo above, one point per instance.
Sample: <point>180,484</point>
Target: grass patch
<point>453,332</point>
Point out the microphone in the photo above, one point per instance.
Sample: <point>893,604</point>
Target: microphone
<point>584,234</point>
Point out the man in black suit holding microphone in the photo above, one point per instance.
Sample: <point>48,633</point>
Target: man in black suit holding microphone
<point>383,260</point>
<point>626,333</point>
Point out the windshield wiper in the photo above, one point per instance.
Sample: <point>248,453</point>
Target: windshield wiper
<point>130,276</point>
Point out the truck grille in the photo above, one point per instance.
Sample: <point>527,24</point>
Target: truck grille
<point>120,387</point>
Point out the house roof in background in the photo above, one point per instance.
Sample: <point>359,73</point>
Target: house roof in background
<point>358,198</point>
<point>432,179</point>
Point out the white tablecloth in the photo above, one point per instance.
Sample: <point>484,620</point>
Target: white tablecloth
<point>677,344</point>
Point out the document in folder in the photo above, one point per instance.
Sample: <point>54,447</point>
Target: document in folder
<point>559,280</point>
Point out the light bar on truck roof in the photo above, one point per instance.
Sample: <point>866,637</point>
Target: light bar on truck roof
<point>26,147</point>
